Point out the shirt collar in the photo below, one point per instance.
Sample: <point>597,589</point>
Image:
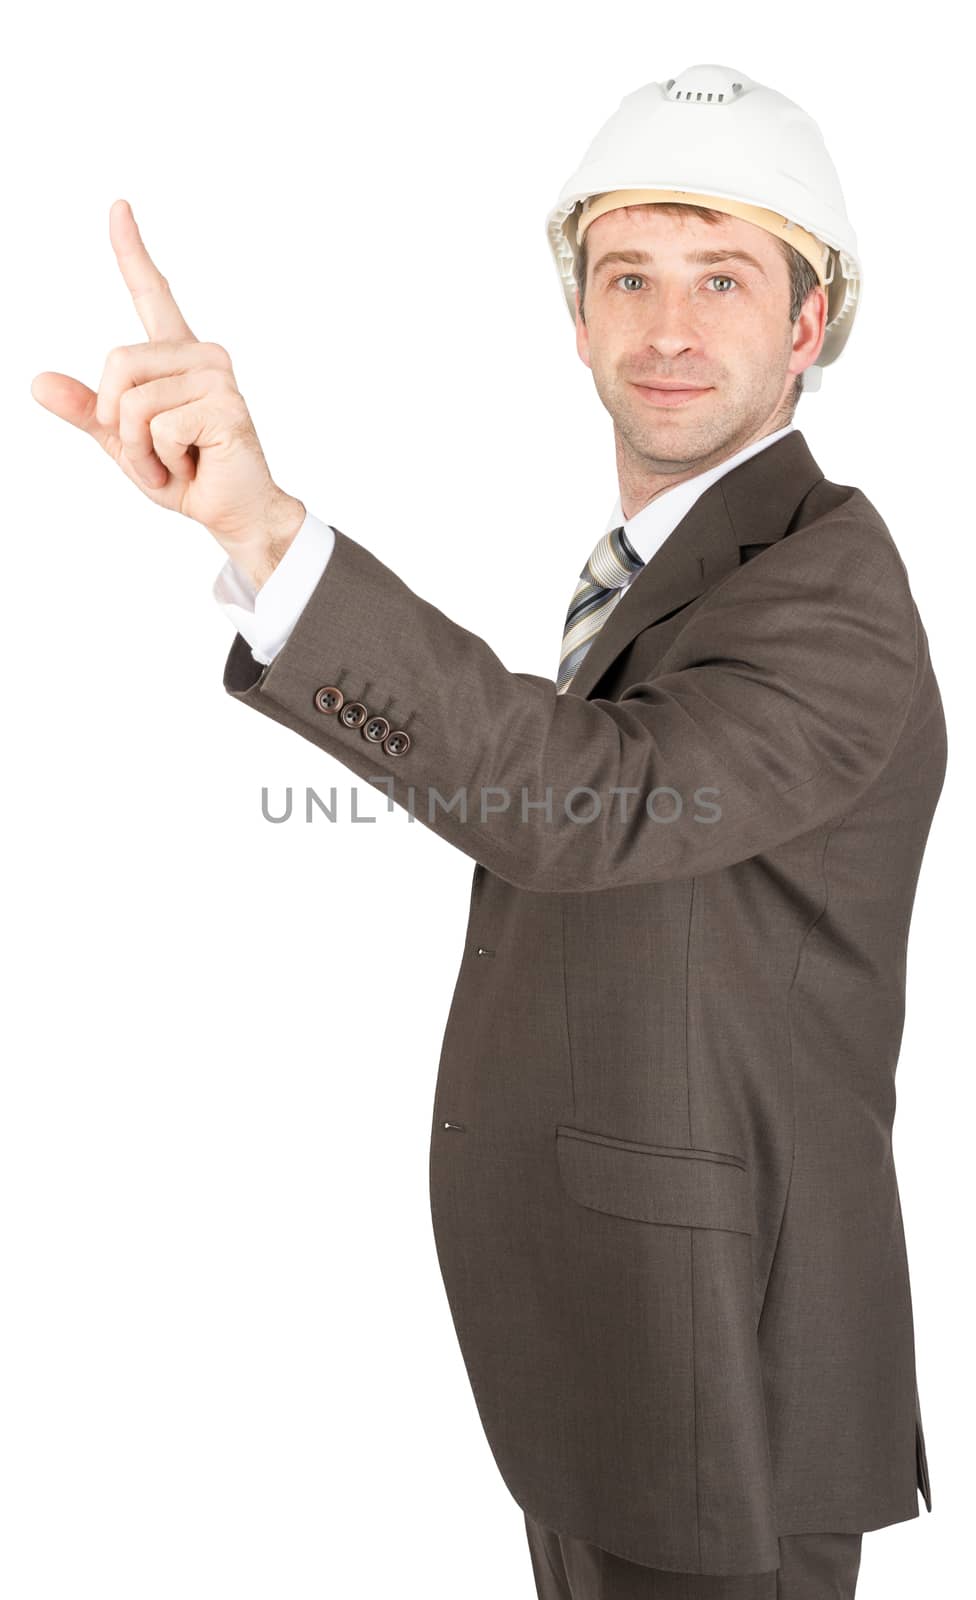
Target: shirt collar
<point>649,528</point>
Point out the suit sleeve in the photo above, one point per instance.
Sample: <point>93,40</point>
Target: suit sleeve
<point>784,695</point>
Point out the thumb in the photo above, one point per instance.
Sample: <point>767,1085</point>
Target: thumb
<point>69,399</point>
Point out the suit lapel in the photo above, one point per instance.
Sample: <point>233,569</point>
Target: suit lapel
<point>750,505</point>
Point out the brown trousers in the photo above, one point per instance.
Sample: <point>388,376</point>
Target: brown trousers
<point>813,1566</point>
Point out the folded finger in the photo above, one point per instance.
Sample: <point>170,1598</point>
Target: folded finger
<point>148,457</point>
<point>129,365</point>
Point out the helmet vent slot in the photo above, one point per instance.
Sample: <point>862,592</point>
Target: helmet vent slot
<point>705,86</point>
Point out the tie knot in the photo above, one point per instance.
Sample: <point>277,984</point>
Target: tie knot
<point>613,561</point>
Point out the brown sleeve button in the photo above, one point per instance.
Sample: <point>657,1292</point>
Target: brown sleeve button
<point>376,729</point>
<point>329,698</point>
<point>397,743</point>
<point>353,714</point>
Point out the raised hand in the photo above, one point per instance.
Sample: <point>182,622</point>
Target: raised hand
<point>170,414</point>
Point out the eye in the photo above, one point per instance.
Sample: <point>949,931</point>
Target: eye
<point>716,277</point>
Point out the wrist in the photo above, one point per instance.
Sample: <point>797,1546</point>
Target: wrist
<point>258,558</point>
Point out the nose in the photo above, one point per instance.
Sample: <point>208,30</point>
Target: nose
<point>669,324</point>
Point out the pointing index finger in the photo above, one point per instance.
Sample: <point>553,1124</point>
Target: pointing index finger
<point>158,312</point>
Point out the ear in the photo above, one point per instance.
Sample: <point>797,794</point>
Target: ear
<point>810,327</point>
<point>582,335</point>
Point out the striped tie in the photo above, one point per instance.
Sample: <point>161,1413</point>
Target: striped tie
<point>601,584</point>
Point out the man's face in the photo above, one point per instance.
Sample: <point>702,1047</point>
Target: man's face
<point>722,326</point>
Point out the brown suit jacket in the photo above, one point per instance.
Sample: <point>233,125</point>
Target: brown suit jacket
<point>661,1178</point>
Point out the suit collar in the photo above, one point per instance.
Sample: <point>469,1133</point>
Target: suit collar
<point>751,504</point>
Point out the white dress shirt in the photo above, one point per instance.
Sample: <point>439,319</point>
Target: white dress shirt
<point>265,617</point>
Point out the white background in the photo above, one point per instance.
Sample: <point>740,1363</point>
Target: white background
<point>227,1364</point>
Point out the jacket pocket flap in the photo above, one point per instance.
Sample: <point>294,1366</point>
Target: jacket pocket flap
<point>672,1184</point>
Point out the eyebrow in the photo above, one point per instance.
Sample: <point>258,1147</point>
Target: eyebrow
<point>700,257</point>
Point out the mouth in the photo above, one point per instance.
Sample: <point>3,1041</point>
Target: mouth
<point>667,394</point>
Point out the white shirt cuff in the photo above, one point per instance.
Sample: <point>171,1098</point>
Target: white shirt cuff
<point>266,616</point>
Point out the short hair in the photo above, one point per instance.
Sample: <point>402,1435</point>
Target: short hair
<point>803,275</point>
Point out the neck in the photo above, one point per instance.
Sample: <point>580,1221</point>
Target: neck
<point>642,478</point>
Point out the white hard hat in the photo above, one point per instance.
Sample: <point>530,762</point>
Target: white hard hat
<point>715,137</point>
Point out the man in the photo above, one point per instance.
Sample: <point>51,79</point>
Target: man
<point>661,1175</point>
